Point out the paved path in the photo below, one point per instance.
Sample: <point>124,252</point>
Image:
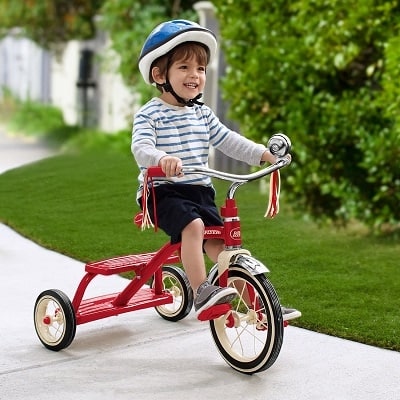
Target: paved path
<point>17,150</point>
<point>141,356</point>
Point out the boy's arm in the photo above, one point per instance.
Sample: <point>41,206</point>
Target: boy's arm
<point>144,143</point>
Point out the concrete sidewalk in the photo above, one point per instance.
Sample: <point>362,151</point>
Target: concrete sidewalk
<point>141,356</point>
<point>18,150</point>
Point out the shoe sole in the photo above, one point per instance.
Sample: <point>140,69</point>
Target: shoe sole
<point>293,315</point>
<point>219,298</point>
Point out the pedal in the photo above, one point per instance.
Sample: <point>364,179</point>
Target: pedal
<point>214,312</point>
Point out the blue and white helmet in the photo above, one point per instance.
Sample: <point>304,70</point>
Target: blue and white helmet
<point>167,36</point>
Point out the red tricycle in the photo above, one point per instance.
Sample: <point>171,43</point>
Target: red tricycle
<point>248,332</point>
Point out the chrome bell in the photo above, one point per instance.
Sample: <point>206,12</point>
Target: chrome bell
<point>279,145</point>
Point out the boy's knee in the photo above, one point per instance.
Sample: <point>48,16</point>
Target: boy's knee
<point>194,227</point>
<point>197,224</point>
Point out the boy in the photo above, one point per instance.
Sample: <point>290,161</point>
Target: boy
<point>176,129</point>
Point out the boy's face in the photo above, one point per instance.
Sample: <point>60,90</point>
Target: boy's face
<point>187,77</point>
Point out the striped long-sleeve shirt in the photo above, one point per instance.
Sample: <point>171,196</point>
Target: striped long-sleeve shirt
<point>161,129</point>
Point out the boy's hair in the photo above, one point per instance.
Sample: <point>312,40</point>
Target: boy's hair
<point>182,52</point>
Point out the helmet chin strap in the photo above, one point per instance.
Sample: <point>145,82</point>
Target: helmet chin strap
<point>190,103</point>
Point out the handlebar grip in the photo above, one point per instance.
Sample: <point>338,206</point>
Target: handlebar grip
<point>155,172</point>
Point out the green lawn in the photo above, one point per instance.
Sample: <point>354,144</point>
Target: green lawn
<point>346,283</point>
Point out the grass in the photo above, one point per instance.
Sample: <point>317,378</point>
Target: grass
<point>346,283</point>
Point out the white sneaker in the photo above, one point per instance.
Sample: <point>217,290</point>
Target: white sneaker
<point>290,313</point>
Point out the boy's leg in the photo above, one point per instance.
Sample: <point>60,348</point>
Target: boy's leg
<point>192,253</point>
<point>213,248</point>
<point>206,295</point>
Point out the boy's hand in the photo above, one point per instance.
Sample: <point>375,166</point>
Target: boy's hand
<point>171,166</point>
<point>267,156</point>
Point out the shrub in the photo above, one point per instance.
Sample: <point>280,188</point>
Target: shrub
<point>41,120</point>
<point>326,73</point>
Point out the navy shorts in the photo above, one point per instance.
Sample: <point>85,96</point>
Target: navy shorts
<point>179,204</point>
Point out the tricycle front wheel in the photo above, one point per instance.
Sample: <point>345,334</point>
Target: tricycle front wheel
<point>250,336</point>
<point>54,319</point>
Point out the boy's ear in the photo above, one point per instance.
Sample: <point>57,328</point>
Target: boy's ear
<point>157,76</point>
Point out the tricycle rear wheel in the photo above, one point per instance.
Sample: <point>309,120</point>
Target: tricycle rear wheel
<point>176,283</point>
<point>54,319</point>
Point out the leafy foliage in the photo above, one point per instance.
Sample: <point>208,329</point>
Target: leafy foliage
<point>49,22</point>
<point>326,73</point>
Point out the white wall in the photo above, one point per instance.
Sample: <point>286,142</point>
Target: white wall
<point>63,77</point>
<point>24,68</point>
<point>30,72</point>
<point>115,100</point>
<point>110,102</point>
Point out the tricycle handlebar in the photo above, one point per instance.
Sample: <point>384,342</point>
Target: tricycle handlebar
<point>279,145</point>
<point>156,172</point>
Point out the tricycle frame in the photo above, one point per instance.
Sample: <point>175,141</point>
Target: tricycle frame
<point>56,317</point>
